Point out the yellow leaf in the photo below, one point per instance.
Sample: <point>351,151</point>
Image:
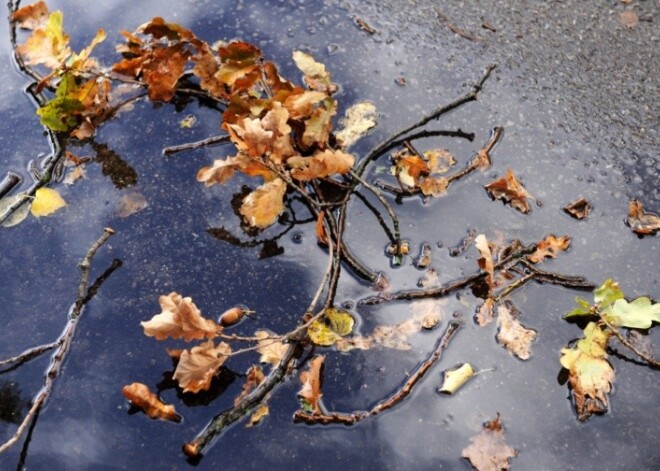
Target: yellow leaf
<point>271,350</point>
<point>47,45</point>
<point>359,119</point>
<point>46,201</point>
<point>258,414</point>
<point>456,378</point>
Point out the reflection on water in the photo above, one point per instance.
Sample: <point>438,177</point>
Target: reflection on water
<point>188,239</point>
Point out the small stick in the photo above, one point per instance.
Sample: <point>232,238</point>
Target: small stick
<point>29,354</point>
<point>8,183</point>
<point>63,343</point>
<point>390,402</point>
<point>209,141</point>
<point>648,359</point>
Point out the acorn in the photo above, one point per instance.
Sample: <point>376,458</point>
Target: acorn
<point>233,316</point>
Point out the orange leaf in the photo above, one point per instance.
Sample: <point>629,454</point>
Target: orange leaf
<point>510,190</point>
<point>262,207</point>
<point>434,186</point>
<point>31,16</point>
<point>310,393</point>
<point>198,366</point>
<point>271,350</point>
<point>180,319</point>
<point>140,396</point>
<point>320,165</point>
<point>485,261</point>
<point>549,247</point>
<point>640,221</point>
<point>321,234</point>
<point>254,377</point>
<point>410,168</point>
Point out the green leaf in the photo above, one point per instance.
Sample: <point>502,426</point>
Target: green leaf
<point>60,113</point>
<point>607,293</point>
<point>638,314</point>
<point>583,309</point>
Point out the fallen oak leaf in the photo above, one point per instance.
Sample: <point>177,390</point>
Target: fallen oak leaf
<point>316,76</point>
<point>253,378</point>
<point>140,396</point>
<point>511,191</point>
<point>47,45</point>
<point>640,221</point>
<point>578,209</point>
<point>485,314</point>
<point>549,247</point>
<point>263,206</point>
<point>180,318</point>
<point>312,380</point>
<point>512,335</point>
<point>257,416</point>
<point>320,165</point>
<point>271,350</point>
<point>488,450</point>
<point>198,366</point>
<point>31,16</point>
<point>360,118</point>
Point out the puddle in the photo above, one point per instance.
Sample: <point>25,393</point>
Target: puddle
<point>566,135</point>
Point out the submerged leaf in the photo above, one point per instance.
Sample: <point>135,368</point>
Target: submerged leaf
<point>271,350</point>
<point>334,324</point>
<point>359,119</point>
<point>140,396</point>
<point>641,313</point>
<point>488,450</point>
<point>46,201</point>
<point>512,334</point>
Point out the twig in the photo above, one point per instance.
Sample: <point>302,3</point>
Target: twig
<point>513,286</point>
<point>459,31</point>
<point>647,358</point>
<point>575,282</point>
<point>385,404</point>
<point>29,354</point>
<point>209,141</point>
<point>63,342</point>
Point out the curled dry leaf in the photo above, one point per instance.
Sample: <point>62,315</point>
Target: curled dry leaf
<point>316,76</point>
<point>180,318</point>
<point>262,207</point>
<point>47,45</point>
<point>198,366</point>
<point>321,234</point>
<point>434,186</point>
<point>511,191</point>
<point>359,119</point>
<point>257,415</point>
<point>488,450</point>
<point>485,314</point>
<point>271,350</point>
<point>549,248</point>
<point>590,374</point>
<point>578,209</point>
<point>409,169</point>
<point>640,221</point>
<point>512,335</point>
<point>312,380</point>
<point>140,396</point>
<point>456,378</point>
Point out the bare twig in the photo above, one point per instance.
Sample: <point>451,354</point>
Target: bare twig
<point>647,358</point>
<point>390,402</point>
<point>209,141</point>
<point>63,343</point>
<point>29,354</point>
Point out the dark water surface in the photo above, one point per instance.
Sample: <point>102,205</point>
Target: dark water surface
<point>577,94</point>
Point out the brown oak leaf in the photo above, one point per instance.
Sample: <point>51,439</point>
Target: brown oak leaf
<point>262,207</point>
<point>640,221</point>
<point>549,247</point>
<point>488,450</point>
<point>140,396</point>
<point>578,209</point>
<point>312,380</point>
<point>510,190</point>
<point>31,16</point>
<point>180,318</point>
<point>198,366</point>
<point>320,165</point>
<point>271,350</point>
<point>254,377</point>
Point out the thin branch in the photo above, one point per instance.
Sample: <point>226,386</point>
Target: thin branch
<point>210,141</point>
<point>63,342</point>
<point>29,354</point>
<point>390,402</point>
<point>647,358</point>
